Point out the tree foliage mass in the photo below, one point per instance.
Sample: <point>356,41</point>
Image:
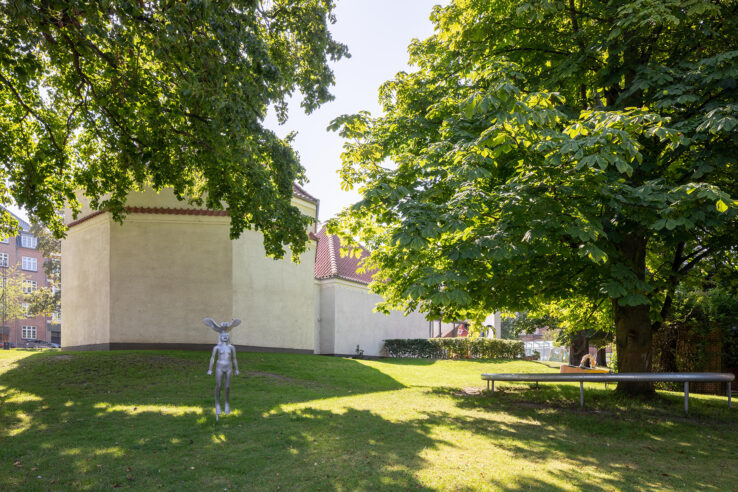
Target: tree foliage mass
<point>108,96</point>
<point>575,154</point>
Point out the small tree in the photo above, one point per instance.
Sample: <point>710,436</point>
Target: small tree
<point>12,297</point>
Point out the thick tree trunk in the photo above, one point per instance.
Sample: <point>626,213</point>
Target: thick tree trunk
<point>601,357</point>
<point>633,341</point>
<point>633,334</point>
<point>579,348</point>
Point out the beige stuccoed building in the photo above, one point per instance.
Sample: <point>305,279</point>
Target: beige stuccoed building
<point>149,282</point>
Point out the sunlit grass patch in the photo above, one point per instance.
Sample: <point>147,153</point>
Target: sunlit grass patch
<point>22,424</point>
<point>174,410</point>
<point>14,396</point>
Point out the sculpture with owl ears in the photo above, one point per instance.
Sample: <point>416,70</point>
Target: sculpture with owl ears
<point>226,354</point>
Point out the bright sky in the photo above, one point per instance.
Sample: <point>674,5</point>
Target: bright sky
<point>377,33</point>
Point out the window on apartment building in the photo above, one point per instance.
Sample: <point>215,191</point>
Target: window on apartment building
<point>28,263</point>
<point>28,332</point>
<point>4,261</point>
<point>29,286</point>
<point>5,241</point>
<point>25,307</point>
<point>29,241</point>
<point>56,316</point>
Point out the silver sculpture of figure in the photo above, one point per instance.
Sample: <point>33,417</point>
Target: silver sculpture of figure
<point>225,352</point>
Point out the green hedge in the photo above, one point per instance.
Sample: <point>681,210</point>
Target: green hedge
<point>453,348</point>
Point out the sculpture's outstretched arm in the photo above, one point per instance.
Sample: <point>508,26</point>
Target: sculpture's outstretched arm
<point>234,323</point>
<point>212,359</point>
<point>235,362</point>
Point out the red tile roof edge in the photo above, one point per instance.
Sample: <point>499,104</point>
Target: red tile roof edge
<point>297,191</point>
<point>300,192</point>
<point>86,218</point>
<point>330,264</point>
<point>156,210</point>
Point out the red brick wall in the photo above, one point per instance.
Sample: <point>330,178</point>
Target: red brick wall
<point>15,253</point>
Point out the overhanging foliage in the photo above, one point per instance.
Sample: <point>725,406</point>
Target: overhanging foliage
<point>110,96</point>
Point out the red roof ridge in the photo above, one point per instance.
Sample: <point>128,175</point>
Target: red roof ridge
<point>332,254</point>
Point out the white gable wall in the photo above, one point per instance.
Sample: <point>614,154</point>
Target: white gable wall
<point>347,319</point>
<point>326,322</point>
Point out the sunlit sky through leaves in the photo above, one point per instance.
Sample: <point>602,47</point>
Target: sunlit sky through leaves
<point>377,33</point>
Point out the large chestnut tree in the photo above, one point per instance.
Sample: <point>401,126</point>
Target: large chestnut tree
<point>579,153</point>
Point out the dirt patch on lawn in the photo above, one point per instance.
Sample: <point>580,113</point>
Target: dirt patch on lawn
<point>469,391</point>
<point>457,392</point>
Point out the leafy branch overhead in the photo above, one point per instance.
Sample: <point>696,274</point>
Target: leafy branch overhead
<point>546,152</point>
<point>110,96</point>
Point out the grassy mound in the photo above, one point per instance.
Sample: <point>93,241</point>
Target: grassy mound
<point>145,420</point>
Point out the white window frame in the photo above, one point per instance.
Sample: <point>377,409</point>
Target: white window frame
<point>29,286</point>
<point>27,331</point>
<point>4,260</point>
<point>29,263</point>
<point>29,241</point>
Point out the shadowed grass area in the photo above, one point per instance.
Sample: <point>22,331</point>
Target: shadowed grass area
<point>144,420</point>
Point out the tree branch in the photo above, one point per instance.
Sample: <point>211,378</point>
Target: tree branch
<point>77,67</point>
<point>694,261</point>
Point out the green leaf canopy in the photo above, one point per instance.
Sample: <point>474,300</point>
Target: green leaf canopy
<point>552,151</point>
<point>108,96</point>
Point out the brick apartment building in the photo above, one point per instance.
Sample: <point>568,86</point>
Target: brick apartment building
<point>21,251</point>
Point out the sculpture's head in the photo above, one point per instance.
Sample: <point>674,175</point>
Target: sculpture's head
<point>224,337</point>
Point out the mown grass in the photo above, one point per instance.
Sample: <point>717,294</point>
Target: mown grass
<point>144,420</point>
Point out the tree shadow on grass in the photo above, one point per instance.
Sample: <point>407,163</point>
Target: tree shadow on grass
<point>145,420</point>
<point>627,444</point>
<point>597,399</point>
<point>616,455</point>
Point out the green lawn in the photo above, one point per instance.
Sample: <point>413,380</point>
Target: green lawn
<point>144,420</point>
